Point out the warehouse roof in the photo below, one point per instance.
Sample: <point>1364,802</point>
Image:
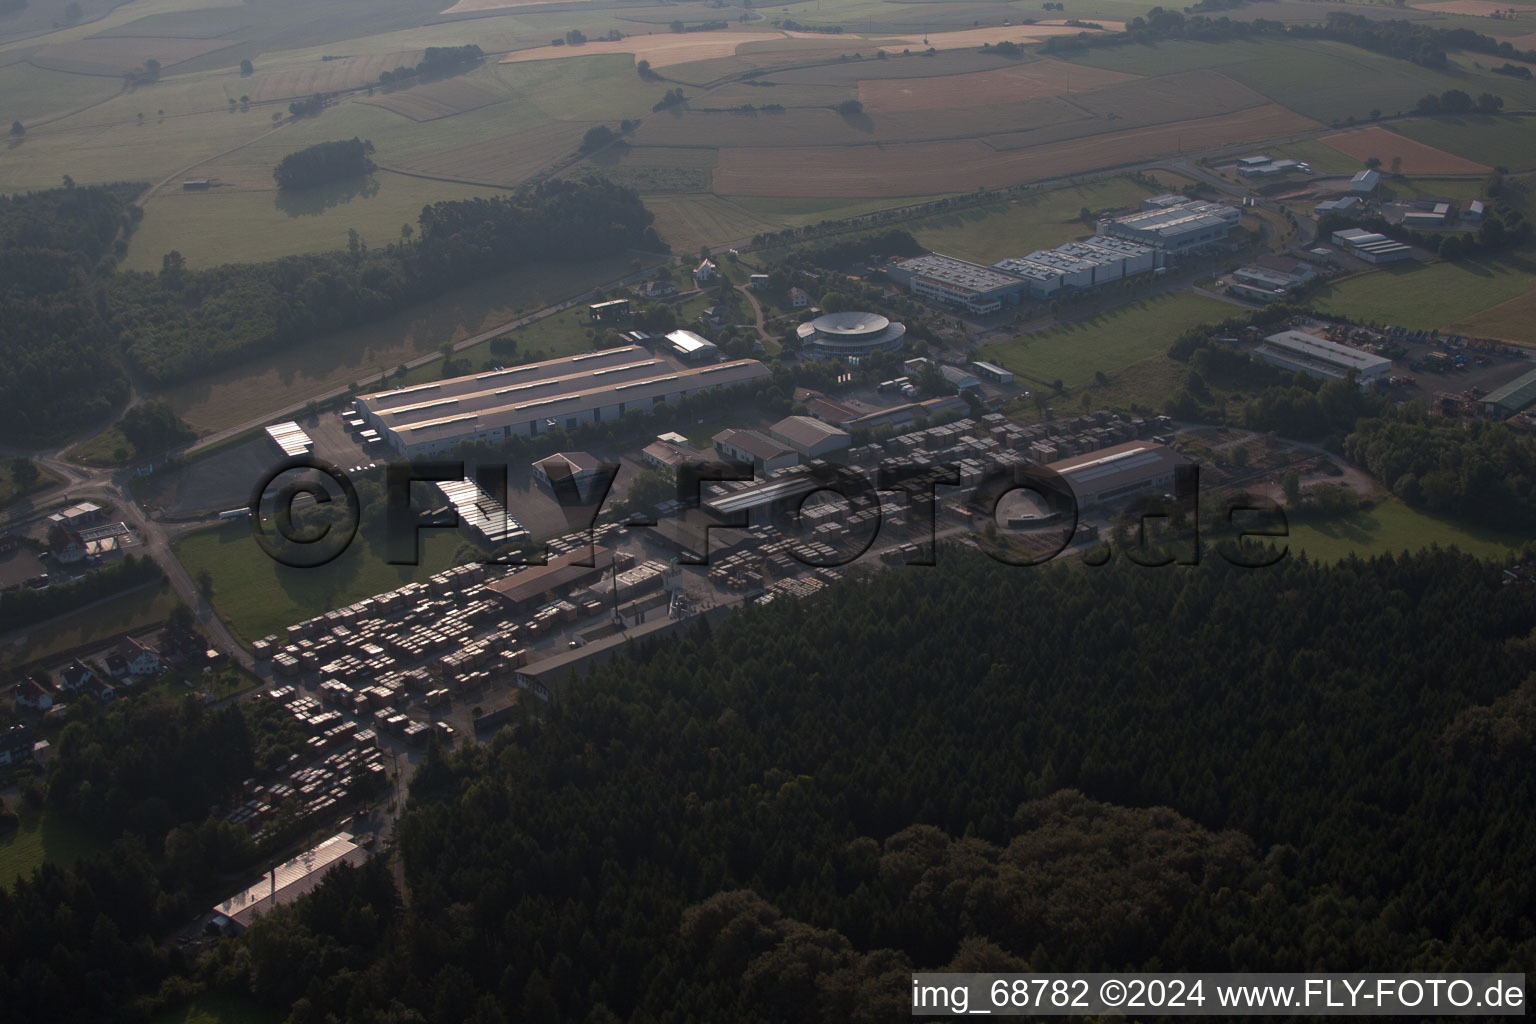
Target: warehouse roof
<point>519,407</point>
<point>458,387</point>
<point>958,272</point>
<point>1312,347</point>
<point>1515,396</point>
<point>1123,465</point>
<point>291,880</point>
<point>805,432</point>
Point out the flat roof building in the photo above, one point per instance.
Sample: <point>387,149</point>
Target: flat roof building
<point>290,438</point>
<point>994,373</point>
<point>1174,227</point>
<point>525,401</point>
<point>957,282</point>
<point>288,881</point>
<point>1317,357</point>
<point>1120,472</point>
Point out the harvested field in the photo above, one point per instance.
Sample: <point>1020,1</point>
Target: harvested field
<point>471,6</point>
<point>435,99</point>
<point>932,168</point>
<point>505,160</point>
<point>1416,156</point>
<point>1525,42</point>
<point>979,36</point>
<point>662,50</point>
<point>1474,8</point>
<point>331,75</point>
<point>667,49</point>
<point>1004,85</point>
<point>114,55</point>
<point>898,65</point>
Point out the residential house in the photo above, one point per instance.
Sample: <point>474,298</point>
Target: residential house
<point>131,658</point>
<point>704,272</point>
<point>658,289</point>
<point>31,695</point>
<point>715,317</point>
<point>15,745</point>
<point>75,676</point>
<point>66,544</point>
<point>799,298</point>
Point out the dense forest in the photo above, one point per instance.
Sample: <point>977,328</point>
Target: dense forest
<point>139,778</point>
<point>74,328</point>
<point>323,163</point>
<point>968,766</point>
<point>179,323</point>
<point>1482,472</point>
<point>62,366</point>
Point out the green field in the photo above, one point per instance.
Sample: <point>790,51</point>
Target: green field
<point>1496,141</point>
<point>1392,527</point>
<point>269,224</point>
<point>1035,220</point>
<point>257,596</point>
<point>263,385</point>
<point>41,838</point>
<point>1426,295</point>
<point>1109,342</point>
<point>139,609</point>
<point>1325,80</point>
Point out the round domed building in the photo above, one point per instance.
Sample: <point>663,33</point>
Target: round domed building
<point>849,335</point>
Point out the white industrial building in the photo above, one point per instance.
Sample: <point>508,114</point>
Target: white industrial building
<point>1263,284</point>
<point>1364,183</point>
<point>534,399</point>
<point>290,438</point>
<point>1174,223</point>
<point>480,513</point>
<point>957,282</point>
<point>961,380</point>
<point>1120,472</point>
<point>1372,247</point>
<point>1094,261</point>
<point>287,882</point>
<point>1300,352</point>
<point>692,348</point>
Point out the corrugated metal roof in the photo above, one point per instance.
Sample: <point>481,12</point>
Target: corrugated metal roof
<point>1516,396</point>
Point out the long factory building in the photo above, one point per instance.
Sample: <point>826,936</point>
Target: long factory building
<point>1127,245</point>
<point>525,401</point>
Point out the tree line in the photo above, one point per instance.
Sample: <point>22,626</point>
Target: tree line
<point>964,767</point>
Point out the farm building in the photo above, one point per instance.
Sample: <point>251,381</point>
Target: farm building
<point>810,437</point>
<point>1174,227</point>
<point>1473,214</point>
<point>525,401</point>
<point>195,184</point>
<point>1372,247</point>
<point>1266,168</point>
<point>692,348</point>
<point>752,446</point>
<point>1120,472</point>
<point>1345,204</point>
<point>1300,352</point>
<point>959,378</point>
<point>1429,213</point>
<point>849,335</point>
<point>1364,183</point>
<point>1514,397</point>
<point>994,373</point>
<point>957,282</point>
<point>287,882</point>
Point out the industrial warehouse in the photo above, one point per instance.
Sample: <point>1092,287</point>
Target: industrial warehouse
<point>1317,357</point>
<point>1125,470</point>
<point>525,401</point>
<point>1125,246</point>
